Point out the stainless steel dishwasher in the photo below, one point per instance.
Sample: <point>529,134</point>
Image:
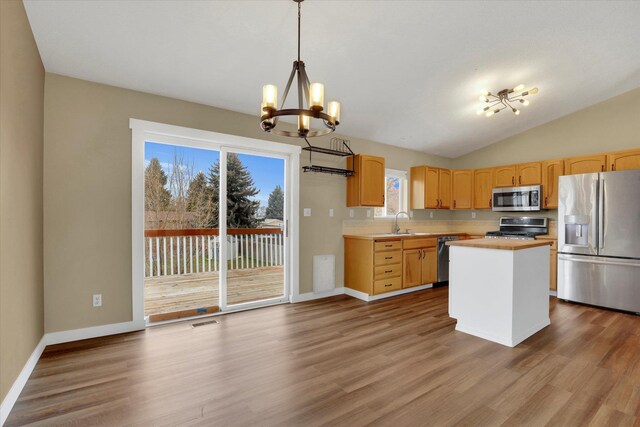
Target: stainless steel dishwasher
<point>443,257</point>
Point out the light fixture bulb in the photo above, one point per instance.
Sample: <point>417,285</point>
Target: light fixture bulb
<point>333,110</point>
<point>485,92</point>
<point>489,113</point>
<point>303,123</point>
<point>524,102</point>
<point>533,91</point>
<point>270,96</point>
<point>482,98</point>
<point>516,111</point>
<point>479,112</point>
<point>316,96</point>
<point>518,88</point>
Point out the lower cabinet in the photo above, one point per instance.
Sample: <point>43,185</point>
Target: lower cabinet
<point>373,266</point>
<point>553,270</point>
<point>419,262</point>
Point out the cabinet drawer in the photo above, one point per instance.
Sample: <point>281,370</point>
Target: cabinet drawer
<point>385,258</point>
<point>420,243</point>
<point>387,285</point>
<point>386,271</point>
<point>388,246</point>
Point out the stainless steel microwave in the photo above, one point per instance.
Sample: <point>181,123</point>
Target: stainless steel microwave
<point>515,199</point>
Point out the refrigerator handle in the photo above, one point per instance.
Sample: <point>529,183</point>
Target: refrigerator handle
<point>601,213</point>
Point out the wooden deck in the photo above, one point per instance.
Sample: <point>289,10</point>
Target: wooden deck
<point>169,294</point>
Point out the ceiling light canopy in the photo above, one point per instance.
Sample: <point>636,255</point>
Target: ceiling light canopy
<point>313,93</point>
<point>503,99</point>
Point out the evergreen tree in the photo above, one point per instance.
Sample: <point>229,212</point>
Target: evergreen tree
<point>241,210</point>
<point>200,202</point>
<point>275,206</point>
<point>156,195</point>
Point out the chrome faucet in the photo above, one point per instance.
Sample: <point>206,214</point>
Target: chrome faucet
<point>396,227</point>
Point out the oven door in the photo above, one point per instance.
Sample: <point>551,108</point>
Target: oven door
<point>516,199</point>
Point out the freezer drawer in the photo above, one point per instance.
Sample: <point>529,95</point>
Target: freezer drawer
<point>605,282</point>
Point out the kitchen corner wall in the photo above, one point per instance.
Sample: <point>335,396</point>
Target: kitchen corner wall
<point>21,139</point>
<point>87,198</point>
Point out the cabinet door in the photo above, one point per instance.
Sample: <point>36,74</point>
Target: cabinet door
<point>417,178</point>
<point>585,164</point>
<point>529,173</point>
<point>504,176</point>
<point>623,161</point>
<point>371,181</point>
<point>462,185</point>
<point>431,189</point>
<point>411,268</point>
<point>551,170</point>
<point>429,265</point>
<point>444,188</point>
<point>482,186</point>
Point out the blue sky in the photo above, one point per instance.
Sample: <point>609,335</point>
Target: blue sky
<point>266,172</point>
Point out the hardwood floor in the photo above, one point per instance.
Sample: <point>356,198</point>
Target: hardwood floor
<point>169,294</point>
<point>341,361</point>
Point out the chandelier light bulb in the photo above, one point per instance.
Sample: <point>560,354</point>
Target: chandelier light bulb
<point>479,112</point>
<point>489,113</point>
<point>524,102</point>
<point>270,96</point>
<point>485,92</point>
<point>516,111</point>
<point>518,88</point>
<point>303,124</point>
<point>482,98</point>
<point>333,109</point>
<point>316,95</point>
<point>533,91</point>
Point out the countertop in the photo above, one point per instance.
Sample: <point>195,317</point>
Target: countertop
<point>390,236</point>
<point>504,244</point>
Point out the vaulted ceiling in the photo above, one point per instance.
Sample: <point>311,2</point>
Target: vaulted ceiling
<point>408,73</point>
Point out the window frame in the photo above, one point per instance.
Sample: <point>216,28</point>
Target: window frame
<point>403,194</point>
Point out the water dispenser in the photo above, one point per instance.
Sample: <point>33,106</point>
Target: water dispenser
<point>576,230</point>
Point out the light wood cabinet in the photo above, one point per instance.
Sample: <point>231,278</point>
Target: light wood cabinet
<point>430,188</point>
<point>623,160</point>
<point>553,270</point>
<point>504,176</point>
<point>482,186</point>
<point>444,188</point>
<point>551,170</point>
<point>462,189</point>
<point>585,164</point>
<point>373,266</point>
<point>419,262</point>
<point>529,173</point>
<point>366,187</point>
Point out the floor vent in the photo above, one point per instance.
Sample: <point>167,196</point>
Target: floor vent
<point>208,322</point>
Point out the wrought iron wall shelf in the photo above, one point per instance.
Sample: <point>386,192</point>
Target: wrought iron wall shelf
<point>343,151</point>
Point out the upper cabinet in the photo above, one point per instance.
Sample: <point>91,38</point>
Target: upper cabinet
<point>430,188</point>
<point>482,186</point>
<point>623,160</point>
<point>551,170</point>
<point>585,164</point>
<point>366,186</point>
<point>462,189</point>
<point>529,173</point>
<point>504,176</point>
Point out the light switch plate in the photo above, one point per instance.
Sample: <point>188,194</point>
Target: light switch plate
<point>351,213</point>
<point>97,300</point>
<point>368,213</point>
<point>307,211</point>
<point>431,214</point>
<point>331,212</point>
<point>473,215</point>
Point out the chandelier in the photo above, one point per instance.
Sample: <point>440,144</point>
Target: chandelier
<point>313,93</point>
<point>504,98</point>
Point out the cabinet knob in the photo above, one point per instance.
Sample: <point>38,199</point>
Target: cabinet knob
<point>390,284</point>
<point>546,201</point>
<point>388,271</point>
<point>602,168</point>
<point>513,180</point>
<point>613,166</point>
<point>454,203</point>
<point>520,180</point>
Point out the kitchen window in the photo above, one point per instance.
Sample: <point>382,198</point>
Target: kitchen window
<point>395,194</point>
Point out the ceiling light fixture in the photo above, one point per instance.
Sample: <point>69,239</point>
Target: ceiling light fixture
<point>503,100</point>
<point>312,92</point>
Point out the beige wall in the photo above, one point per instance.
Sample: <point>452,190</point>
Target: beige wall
<point>21,120</point>
<point>88,194</point>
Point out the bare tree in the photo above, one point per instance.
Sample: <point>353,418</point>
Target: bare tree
<point>200,202</point>
<point>180,177</point>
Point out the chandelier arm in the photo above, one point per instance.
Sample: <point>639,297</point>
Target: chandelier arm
<point>305,84</point>
<point>300,92</point>
<point>286,89</point>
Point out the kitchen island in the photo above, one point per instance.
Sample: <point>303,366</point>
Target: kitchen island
<point>499,288</point>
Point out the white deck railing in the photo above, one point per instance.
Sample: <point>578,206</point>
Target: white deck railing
<point>174,252</point>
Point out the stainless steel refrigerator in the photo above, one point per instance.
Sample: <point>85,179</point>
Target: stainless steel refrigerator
<point>599,239</point>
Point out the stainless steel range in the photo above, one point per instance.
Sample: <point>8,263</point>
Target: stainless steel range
<point>521,228</point>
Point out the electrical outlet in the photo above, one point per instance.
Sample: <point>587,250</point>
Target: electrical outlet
<point>307,211</point>
<point>431,214</point>
<point>351,213</point>
<point>331,212</point>
<point>473,215</point>
<point>97,300</point>
<point>410,214</point>
<point>368,213</point>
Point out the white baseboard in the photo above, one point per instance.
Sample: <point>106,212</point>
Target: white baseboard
<point>316,295</point>
<point>366,297</point>
<point>15,390</point>
<point>92,332</point>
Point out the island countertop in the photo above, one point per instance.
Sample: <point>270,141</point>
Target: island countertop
<point>503,244</point>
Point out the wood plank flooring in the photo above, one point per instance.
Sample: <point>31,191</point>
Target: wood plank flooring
<point>341,361</point>
<point>170,294</point>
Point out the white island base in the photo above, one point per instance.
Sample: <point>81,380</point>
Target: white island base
<point>499,294</point>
